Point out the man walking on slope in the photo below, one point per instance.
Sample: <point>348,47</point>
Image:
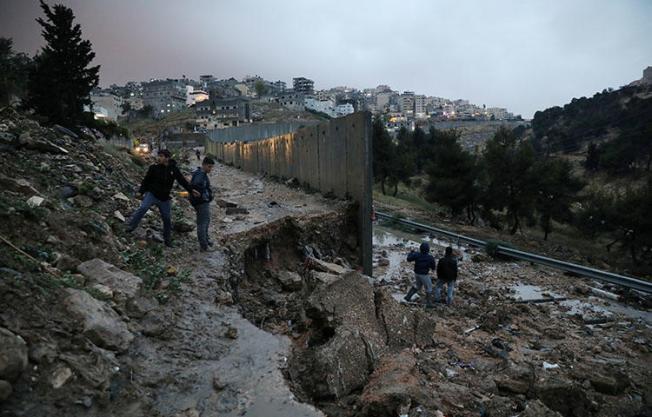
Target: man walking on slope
<point>155,189</point>
<point>446,274</point>
<point>424,262</point>
<point>202,185</point>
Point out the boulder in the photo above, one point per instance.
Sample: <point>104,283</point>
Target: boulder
<point>101,324</point>
<point>393,384</point>
<point>610,385</point>
<point>17,185</point>
<point>566,398</point>
<point>403,326</point>
<point>327,267</point>
<point>67,263</point>
<point>60,376</point>
<point>537,409</point>
<point>124,285</point>
<point>290,281</point>
<point>13,355</point>
<point>40,144</point>
<point>83,201</point>
<point>138,307</point>
<point>5,390</point>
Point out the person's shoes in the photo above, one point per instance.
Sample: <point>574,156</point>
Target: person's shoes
<point>210,243</point>
<point>169,245</point>
<point>207,250</point>
<point>430,301</point>
<point>410,294</point>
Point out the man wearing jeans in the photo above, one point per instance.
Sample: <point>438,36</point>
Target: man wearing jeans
<point>446,274</point>
<point>201,201</point>
<point>423,263</point>
<point>155,189</point>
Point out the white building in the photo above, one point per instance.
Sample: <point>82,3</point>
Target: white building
<point>328,107</point>
<point>106,106</point>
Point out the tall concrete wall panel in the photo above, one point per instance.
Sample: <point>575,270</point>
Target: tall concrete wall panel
<point>332,157</point>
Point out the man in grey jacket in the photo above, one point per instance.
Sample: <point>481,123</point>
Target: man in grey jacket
<point>202,184</point>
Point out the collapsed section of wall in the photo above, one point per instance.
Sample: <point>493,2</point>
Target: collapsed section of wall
<point>332,157</point>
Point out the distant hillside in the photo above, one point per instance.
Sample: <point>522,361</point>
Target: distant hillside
<point>615,126</point>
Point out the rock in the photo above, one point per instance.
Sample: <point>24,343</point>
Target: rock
<point>138,307</point>
<point>218,384</point>
<point>183,227</point>
<point>13,355</point>
<point>236,210</point>
<point>17,185</point>
<point>511,385</point>
<point>225,204</point>
<point>231,333</point>
<point>537,409</point>
<point>35,201</point>
<point>120,196</point>
<point>103,291</point>
<point>67,263</point>
<point>124,285</point>
<point>191,412</point>
<point>171,271</point>
<point>565,398</point>
<point>65,131</point>
<point>60,376</point>
<point>481,257</point>
<point>610,385</point>
<point>83,201</point>
<point>383,262</point>
<point>101,324</point>
<point>41,145</point>
<point>5,390</point>
<point>290,281</point>
<point>155,324</point>
<point>327,267</point>
<point>119,216</point>
<point>394,383</point>
<point>7,138</point>
<point>43,353</point>
<point>69,191</point>
<point>224,297</point>
<point>403,326</point>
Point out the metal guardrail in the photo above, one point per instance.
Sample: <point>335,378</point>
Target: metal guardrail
<point>629,282</point>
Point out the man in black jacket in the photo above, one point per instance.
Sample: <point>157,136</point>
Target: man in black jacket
<point>202,184</point>
<point>155,189</point>
<point>423,263</point>
<point>446,274</point>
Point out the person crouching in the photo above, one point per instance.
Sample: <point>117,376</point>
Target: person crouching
<point>424,262</point>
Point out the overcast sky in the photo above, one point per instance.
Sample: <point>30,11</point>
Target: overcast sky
<point>520,54</point>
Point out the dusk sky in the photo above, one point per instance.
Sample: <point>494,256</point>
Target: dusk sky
<point>523,55</point>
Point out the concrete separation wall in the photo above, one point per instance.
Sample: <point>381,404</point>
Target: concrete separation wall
<point>254,132</point>
<point>333,157</point>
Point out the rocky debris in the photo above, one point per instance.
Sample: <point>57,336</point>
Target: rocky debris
<point>119,216</point>
<point>322,266</point>
<point>403,326</point>
<point>83,201</point>
<point>13,355</point>
<point>225,204</point>
<point>231,333</point>
<point>566,398</point>
<point>40,144</point>
<point>35,201</point>
<point>123,285</point>
<point>101,324</point>
<point>67,263</point>
<point>610,384</point>
<point>537,409</point>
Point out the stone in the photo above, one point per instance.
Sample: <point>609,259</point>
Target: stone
<point>83,201</point>
<point>41,145</point>
<point>124,285</point>
<point>231,333</point>
<point>183,226</point>
<point>537,409</point>
<point>13,355</point>
<point>43,353</point>
<point>5,390</point>
<point>403,326</point>
<point>119,216</point>
<point>69,191</point>
<point>566,398</point>
<point>236,210</point>
<point>103,291</point>
<point>224,203</point>
<point>383,262</point>
<point>290,281</point>
<point>154,324</point>
<point>100,323</point>
<point>327,267</point>
<point>17,185</point>
<point>393,384</point>
<point>120,196</point>
<point>60,376</point>
<point>610,385</point>
<point>138,307</point>
<point>67,263</point>
<point>511,385</point>
<point>35,201</point>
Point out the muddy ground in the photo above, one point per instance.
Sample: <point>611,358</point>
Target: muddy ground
<point>277,321</point>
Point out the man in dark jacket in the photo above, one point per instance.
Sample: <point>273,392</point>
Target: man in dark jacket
<point>424,262</point>
<point>446,274</point>
<point>155,189</point>
<point>202,184</point>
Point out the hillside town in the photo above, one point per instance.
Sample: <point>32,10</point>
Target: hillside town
<point>222,103</point>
